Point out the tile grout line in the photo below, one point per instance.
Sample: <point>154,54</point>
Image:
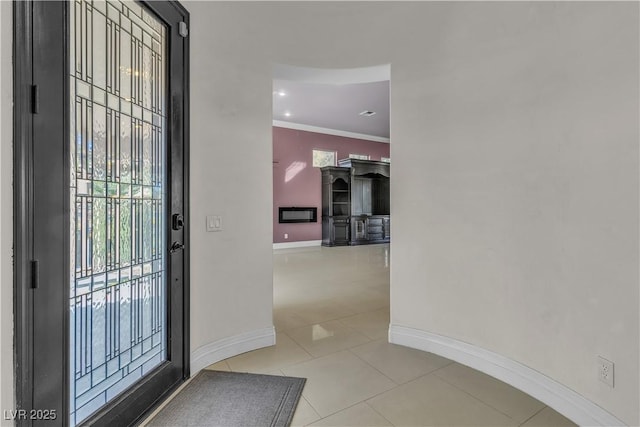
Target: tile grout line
<point>373,367</point>
<point>342,349</point>
<point>336,412</point>
<point>312,357</point>
<point>351,406</point>
<point>478,399</point>
<point>432,373</point>
<point>296,343</point>
<point>395,385</point>
<point>277,367</point>
<point>332,319</point>
<point>378,412</point>
<point>357,403</point>
<point>392,380</point>
<point>314,410</point>
<point>316,323</point>
<point>527,420</point>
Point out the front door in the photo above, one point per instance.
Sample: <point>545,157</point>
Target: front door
<point>102,244</point>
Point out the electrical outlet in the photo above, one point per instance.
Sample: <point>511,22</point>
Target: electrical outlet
<point>605,371</point>
<point>286,236</point>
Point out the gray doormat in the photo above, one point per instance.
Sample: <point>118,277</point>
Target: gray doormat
<point>232,399</point>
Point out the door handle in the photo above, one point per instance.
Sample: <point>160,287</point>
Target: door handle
<point>176,246</point>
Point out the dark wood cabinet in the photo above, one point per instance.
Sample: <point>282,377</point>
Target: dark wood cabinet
<point>336,202</point>
<point>355,203</point>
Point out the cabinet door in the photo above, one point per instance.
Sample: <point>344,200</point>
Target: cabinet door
<point>356,197</point>
<point>340,231</point>
<point>375,229</point>
<point>359,229</point>
<point>361,196</point>
<point>366,197</point>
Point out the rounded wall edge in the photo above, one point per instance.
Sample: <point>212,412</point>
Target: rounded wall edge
<point>227,347</point>
<point>550,392</point>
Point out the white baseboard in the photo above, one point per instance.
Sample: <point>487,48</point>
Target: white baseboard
<point>231,346</point>
<point>559,397</point>
<point>302,244</point>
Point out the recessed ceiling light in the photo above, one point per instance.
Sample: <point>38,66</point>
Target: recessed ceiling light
<point>287,114</point>
<point>367,113</point>
<point>280,93</point>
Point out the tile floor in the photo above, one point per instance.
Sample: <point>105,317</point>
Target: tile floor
<point>331,313</point>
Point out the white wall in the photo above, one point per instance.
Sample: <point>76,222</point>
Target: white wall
<point>6,212</point>
<point>515,187</point>
<point>519,147</point>
<point>515,179</point>
<point>231,270</point>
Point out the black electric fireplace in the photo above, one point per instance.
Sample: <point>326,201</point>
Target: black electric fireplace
<point>294,214</point>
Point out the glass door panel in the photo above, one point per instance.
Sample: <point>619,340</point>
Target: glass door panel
<point>118,200</point>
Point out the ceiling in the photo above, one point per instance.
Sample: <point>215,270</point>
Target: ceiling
<point>333,99</point>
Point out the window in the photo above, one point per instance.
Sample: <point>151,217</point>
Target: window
<point>323,158</point>
<point>385,159</point>
<point>359,156</point>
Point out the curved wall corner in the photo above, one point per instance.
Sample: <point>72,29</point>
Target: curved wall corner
<point>231,346</point>
<point>550,392</point>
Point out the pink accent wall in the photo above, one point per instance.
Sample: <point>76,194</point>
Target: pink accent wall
<point>297,183</point>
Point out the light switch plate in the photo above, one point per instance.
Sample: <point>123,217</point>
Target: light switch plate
<point>214,223</point>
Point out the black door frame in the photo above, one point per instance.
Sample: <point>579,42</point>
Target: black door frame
<point>41,110</point>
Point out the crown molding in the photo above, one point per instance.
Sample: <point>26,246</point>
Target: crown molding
<point>328,131</point>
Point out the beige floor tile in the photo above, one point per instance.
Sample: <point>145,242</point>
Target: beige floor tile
<point>548,418</point>
<point>333,302</point>
<point>305,414</point>
<point>366,300</point>
<point>430,401</point>
<point>219,366</point>
<point>374,324</point>
<point>337,381</point>
<point>325,338</point>
<point>399,363</point>
<point>285,319</point>
<point>322,311</point>
<point>285,352</point>
<point>495,393</point>
<point>360,415</point>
